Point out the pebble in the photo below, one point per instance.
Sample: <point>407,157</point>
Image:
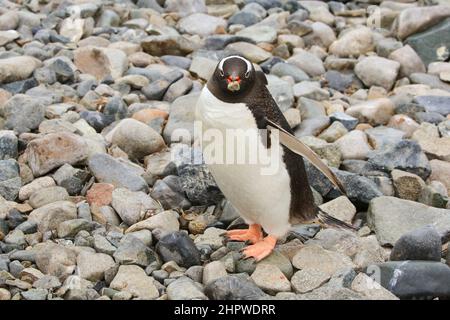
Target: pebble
<point>178,247</point>
<point>212,271</point>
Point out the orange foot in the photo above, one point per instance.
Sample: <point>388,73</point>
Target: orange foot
<point>252,234</point>
<point>261,249</point>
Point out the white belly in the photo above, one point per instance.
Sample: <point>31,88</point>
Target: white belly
<point>257,186</point>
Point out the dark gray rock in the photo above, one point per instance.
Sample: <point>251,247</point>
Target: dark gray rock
<point>358,188</point>
<point>97,120</point>
<point>233,287</point>
<point>10,181</point>
<point>168,197</point>
<point>179,247</point>
<point>116,107</point>
<point>413,279</point>
<point>199,185</point>
<point>349,122</point>
<point>8,145</point>
<point>432,44</point>
<point>156,89</point>
<point>405,155</point>
<point>420,244</point>
<point>70,178</point>
<point>341,81</point>
<point>20,86</point>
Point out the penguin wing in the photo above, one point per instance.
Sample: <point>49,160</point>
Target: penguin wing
<point>295,145</point>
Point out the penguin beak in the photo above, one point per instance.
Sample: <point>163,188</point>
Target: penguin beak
<point>234,83</point>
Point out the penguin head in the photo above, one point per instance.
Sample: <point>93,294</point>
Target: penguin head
<point>234,74</point>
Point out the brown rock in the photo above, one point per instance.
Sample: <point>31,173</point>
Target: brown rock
<point>100,194</point>
<point>147,115</point>
<point>440,171</point>
<point>53,150</point>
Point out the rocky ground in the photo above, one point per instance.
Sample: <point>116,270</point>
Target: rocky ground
<point>93,205</point>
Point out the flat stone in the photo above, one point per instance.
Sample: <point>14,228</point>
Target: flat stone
<point>377,71</point>
<point>317,258</point>
<point>107,169</point>
<point>308,279</point>
<point>390,218</point>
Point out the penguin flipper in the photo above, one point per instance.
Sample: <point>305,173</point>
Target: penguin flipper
<point>298,147</point>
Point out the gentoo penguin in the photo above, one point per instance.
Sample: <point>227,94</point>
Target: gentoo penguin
<point>236,100</point>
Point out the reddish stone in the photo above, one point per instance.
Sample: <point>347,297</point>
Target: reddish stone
<point>100,194</point>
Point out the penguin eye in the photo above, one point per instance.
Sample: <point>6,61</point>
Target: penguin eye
<point>247,74</point>
<point>221,72</point>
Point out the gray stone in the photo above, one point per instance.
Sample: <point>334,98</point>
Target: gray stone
<point>70,178</point>
<point>233,287</point>
<point>23,113</point>
<point>184,289</point>
<point>391,218</point>
<point>8,145</point>
<point>92,266</point>
<point>420,244</point>
<point>110,170</point>
<point>133,251</point>
<point>179,247</point>
<point>48,195</point>
<point>133,279</point>
<point>432,44</point>
<point>413,279</point>
<point>405,155</point>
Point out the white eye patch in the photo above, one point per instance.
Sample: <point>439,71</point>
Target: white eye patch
<point>249,65</point>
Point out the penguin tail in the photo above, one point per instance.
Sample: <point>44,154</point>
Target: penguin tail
<point>326,220</point>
